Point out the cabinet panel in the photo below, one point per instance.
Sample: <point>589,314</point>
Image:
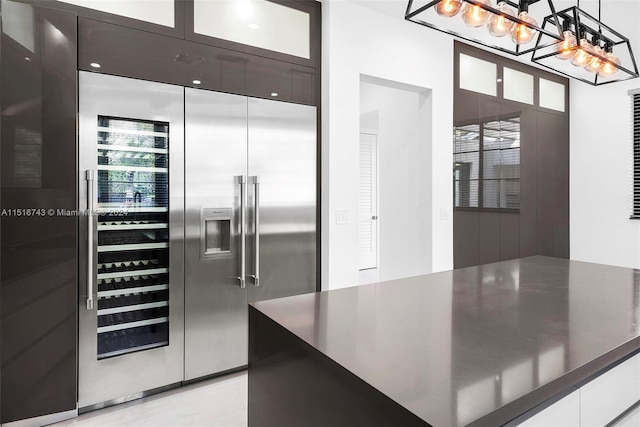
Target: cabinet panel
<point>465,238</point>
<point>546,183</point>
<point>39,279</point>
<point>560,128</point>
<point>489,237</point>
<point>528,183</point>
<point>303,87</point>
<point>233,73</point>
<point>607,396</point>
<point>541,224</point>
<point>126,52</point>
<point>509,236</point>
<point>565,413</point>
<point>266,78</point>
<point>133,53</point>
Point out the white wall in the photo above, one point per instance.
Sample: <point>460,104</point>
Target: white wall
<point>601,155</point>
<point>404,159</point>
<point>358,40</point>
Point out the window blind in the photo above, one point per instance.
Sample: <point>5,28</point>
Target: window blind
<point>635,136</point>
<point>487,164</point>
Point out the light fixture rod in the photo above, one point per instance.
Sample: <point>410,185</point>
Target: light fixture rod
<point>599,15</point>
<point>420,9</point>
<point>555,18</point>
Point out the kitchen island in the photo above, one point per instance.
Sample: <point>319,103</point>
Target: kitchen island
<point>489,345</point>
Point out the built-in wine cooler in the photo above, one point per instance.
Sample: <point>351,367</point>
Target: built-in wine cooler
<point>193,204</point>
<point>133,239</point>
<point>131,191</point>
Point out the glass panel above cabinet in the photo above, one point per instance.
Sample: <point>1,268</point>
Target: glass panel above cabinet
<point>552,95</point>
<point>161,12</point>
<point>133,235</point>
<point>258,23</point>
<point>478,75</point>
<point>517,86</point>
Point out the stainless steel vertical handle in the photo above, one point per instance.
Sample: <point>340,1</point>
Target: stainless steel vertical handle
<point>90,177</point>
<point>243,195</point>
<point>256,229</point>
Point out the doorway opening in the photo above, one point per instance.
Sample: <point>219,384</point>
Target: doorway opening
<point>394,189</point>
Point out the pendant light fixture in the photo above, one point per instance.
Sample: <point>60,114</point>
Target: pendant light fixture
<point>488,24</point>
<point>448,8</point>
<point>566,49</point>
<point>499,25</point>
<point>590,51</point>
<point>521,33</point>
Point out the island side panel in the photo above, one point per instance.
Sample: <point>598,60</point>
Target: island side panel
<point>293,384</point>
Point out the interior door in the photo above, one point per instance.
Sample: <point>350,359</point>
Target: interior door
<point>216,166</point>
<point>368,202</point>
<point>131,169</point>
<point>281,233</point>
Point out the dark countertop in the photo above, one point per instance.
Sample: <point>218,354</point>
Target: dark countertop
<point>477,345</point>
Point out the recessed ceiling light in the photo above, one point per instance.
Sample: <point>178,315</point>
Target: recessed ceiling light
<point>274,93</point>
<point>196,82</point>
<point>95,65</point>
<point>254,26</point>
<point>26,58</point>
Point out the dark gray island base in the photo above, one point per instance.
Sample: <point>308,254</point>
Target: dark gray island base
<point>483,346</point>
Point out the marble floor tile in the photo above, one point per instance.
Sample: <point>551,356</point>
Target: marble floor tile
<point>218,402</point>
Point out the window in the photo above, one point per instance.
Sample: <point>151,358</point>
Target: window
<point>486,167</point>
<point>635,135</point>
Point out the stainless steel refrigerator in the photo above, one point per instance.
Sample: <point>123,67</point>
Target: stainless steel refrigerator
<point>205,202</point>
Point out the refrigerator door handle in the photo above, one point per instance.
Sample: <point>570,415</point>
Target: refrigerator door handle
<point>90,178</point>
<point>256,229</point>
<point>242,181</point>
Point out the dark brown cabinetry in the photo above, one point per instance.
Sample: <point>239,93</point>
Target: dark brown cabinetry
<point>38,151</point>
<point>44,44</point>
<point>540,226</point>
<point>133,53</point>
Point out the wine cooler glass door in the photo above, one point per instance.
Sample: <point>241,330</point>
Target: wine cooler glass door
<point>131,289</point>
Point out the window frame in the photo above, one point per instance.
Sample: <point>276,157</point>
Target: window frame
<point>481,180</point>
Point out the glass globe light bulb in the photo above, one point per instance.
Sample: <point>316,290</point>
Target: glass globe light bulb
<point>609,70</point>
<point>498,25</point>
<point>475,16</point>
<point>448,8</point>
<point>596,63</point>
<point>566,48</point>
<point>520,33</point>
<point>583,54</point>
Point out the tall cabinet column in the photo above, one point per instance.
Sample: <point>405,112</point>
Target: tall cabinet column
<point>38,231</point>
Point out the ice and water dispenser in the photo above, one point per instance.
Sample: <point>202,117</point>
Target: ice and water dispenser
<point>215,232</point>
